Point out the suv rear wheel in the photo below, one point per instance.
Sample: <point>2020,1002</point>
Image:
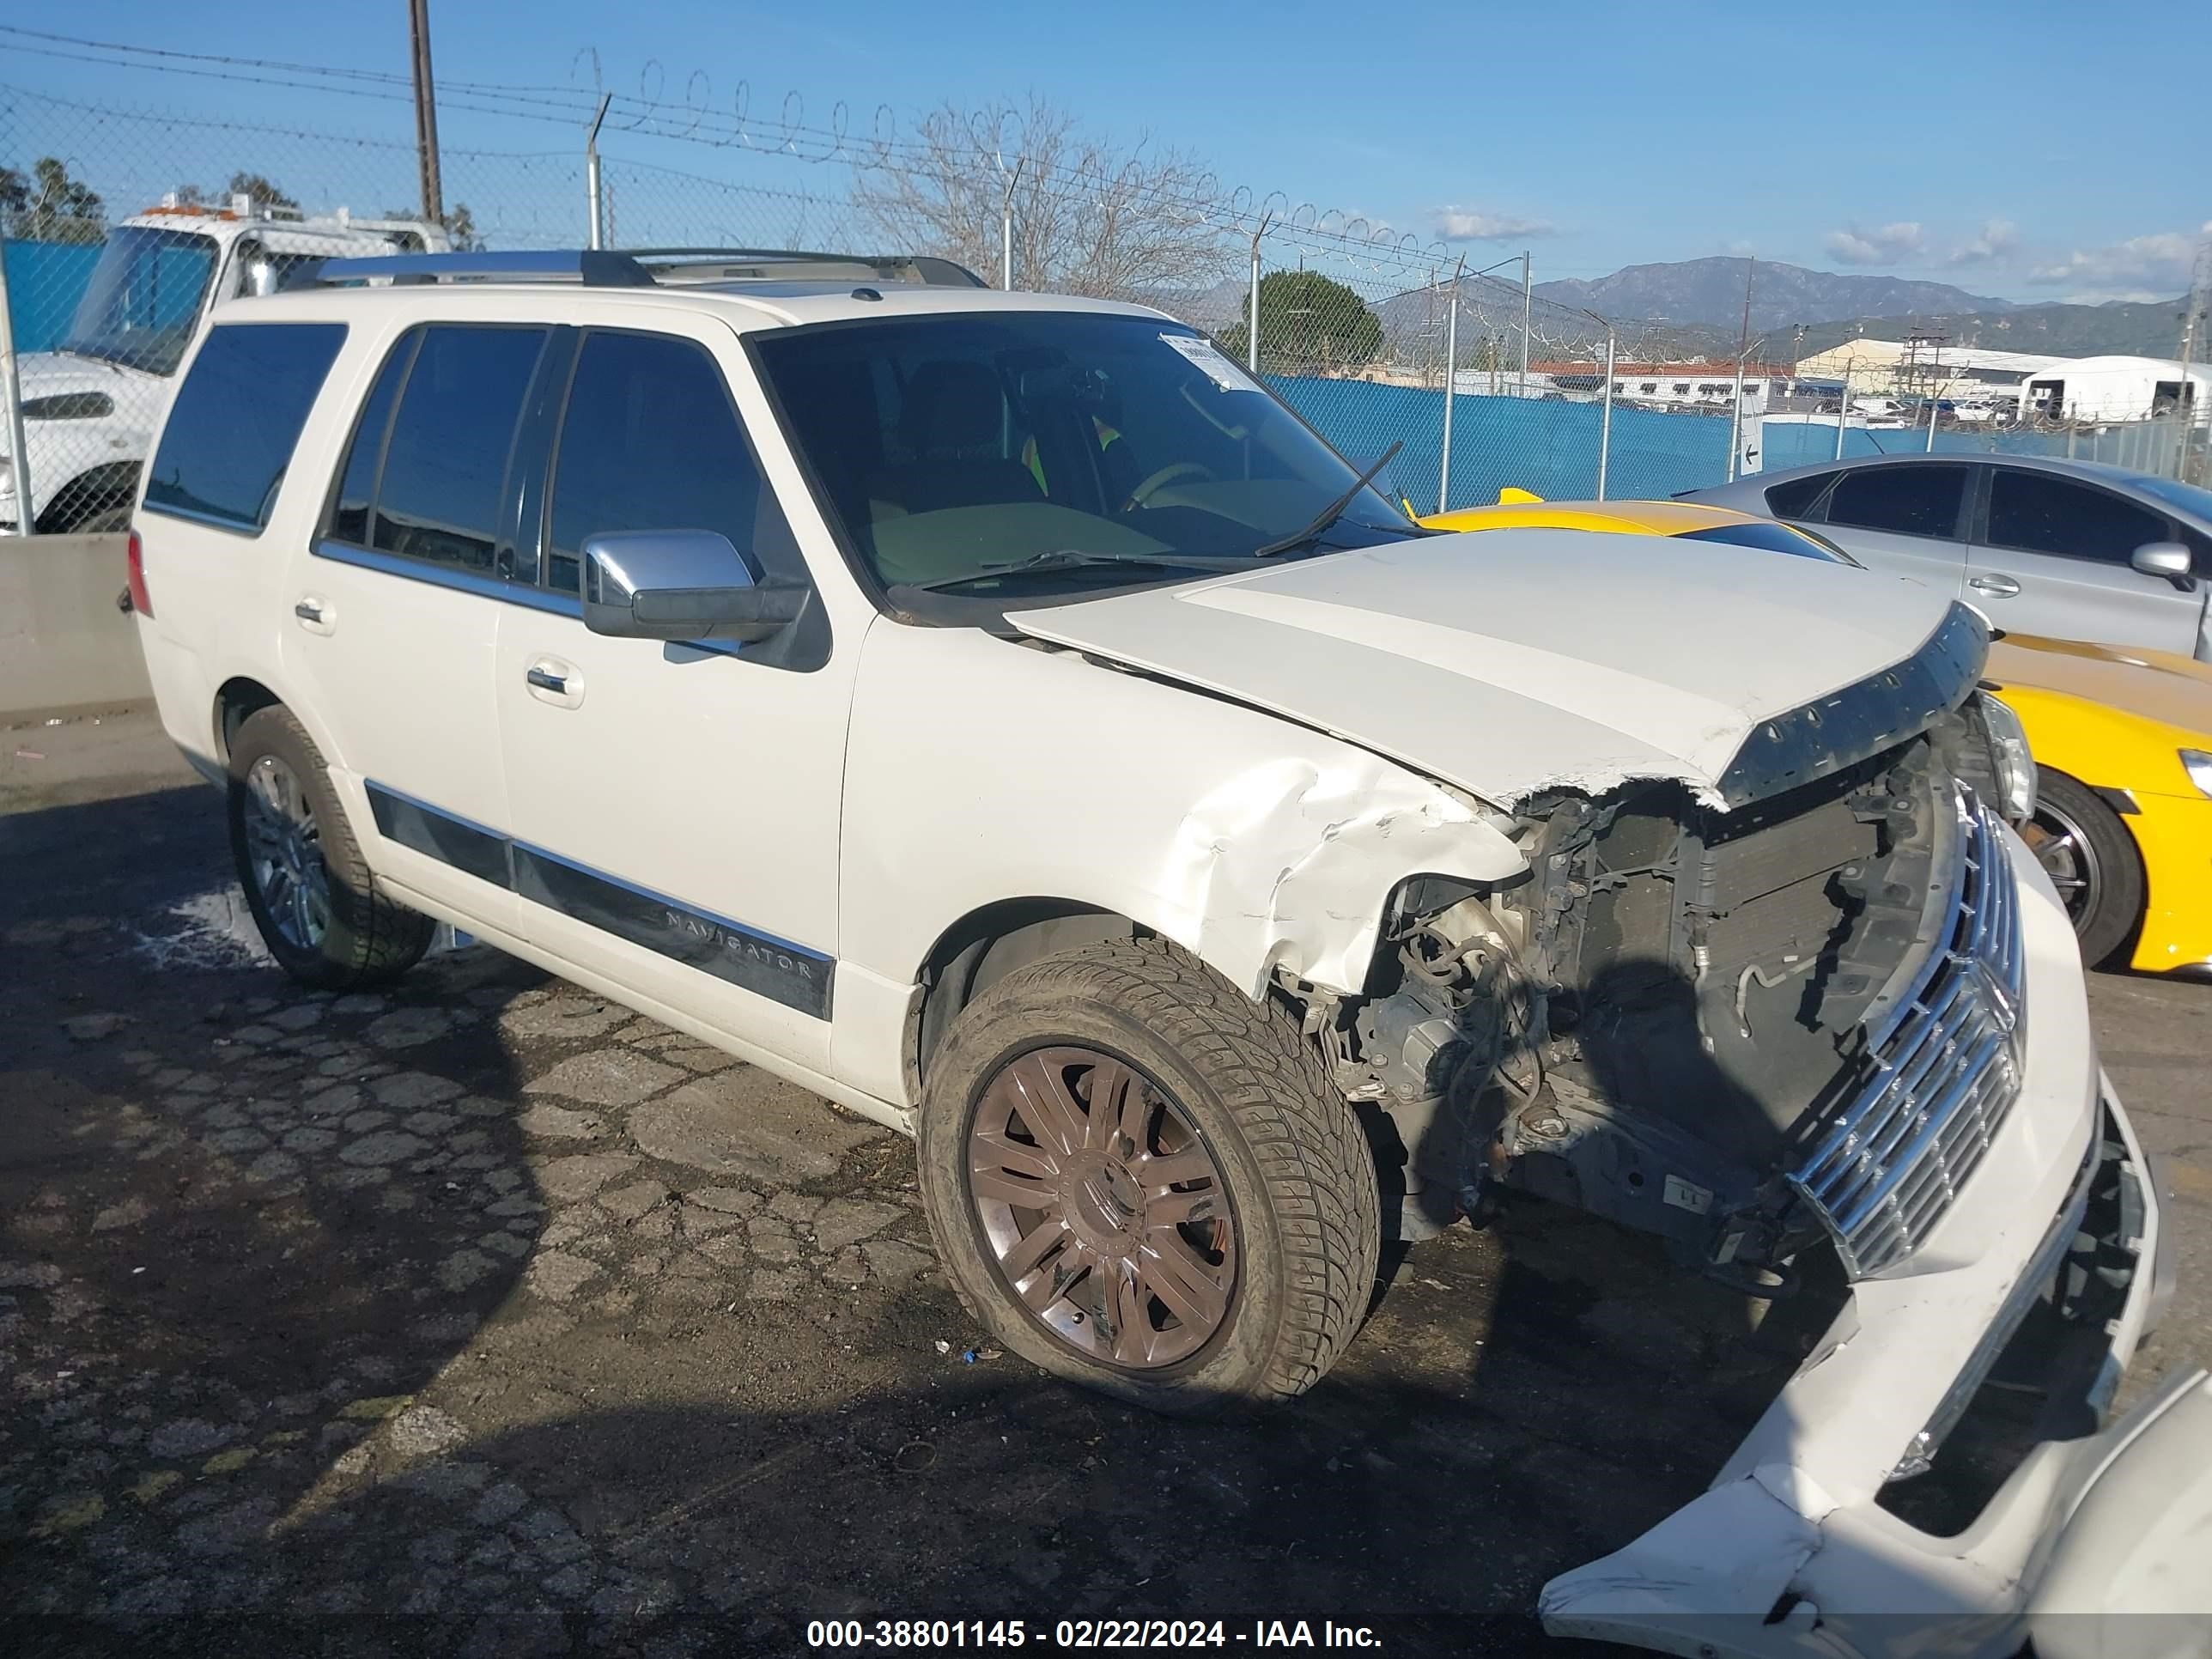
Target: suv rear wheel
<point>306,881</point>
<point>1140,1179</point>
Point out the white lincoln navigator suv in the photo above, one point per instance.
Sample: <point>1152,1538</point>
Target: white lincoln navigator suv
<point>1000,714</point>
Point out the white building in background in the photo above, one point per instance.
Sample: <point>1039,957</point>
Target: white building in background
<point>1884,367</point>
<point>2102,390</point>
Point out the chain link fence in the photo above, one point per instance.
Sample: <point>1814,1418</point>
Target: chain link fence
<point>119,228</point>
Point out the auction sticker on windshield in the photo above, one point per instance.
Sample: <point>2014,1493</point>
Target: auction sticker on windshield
<point>1210,361</point>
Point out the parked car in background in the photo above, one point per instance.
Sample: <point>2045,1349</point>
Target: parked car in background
<point>2121,814</point>
<point>2069,550</point>
<point>90,404</point>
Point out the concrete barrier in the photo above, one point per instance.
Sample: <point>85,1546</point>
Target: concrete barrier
<point>65,647</point>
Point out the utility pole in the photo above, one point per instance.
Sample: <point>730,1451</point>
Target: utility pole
<point>1006,224</point>
<point>1523,388</point>
<point>426,111</point>
<point>1743,350</point>
<point>595,226</point>
<point>2200,296</point>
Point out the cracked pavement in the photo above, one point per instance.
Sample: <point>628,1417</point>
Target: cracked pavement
<point>482,1315</point>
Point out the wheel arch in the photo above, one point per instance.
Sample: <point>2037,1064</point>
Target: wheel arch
<point>982,947</point>
<point>105,485</point>
<point>236,700</point>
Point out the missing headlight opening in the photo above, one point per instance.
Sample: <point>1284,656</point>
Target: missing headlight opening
<point>1665,1019</point>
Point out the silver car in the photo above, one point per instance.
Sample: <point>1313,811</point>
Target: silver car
<point>2069,548</point>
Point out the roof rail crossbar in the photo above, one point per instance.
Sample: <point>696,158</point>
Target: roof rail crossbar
<point>589,267</point>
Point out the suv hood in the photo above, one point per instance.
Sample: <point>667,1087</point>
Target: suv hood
<point>45,373</point>
<point>1511,662</point>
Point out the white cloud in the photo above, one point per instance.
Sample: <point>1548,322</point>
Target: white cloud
<point>2157,263</point>
<point>1883,246</point>
<point>1996,239</point>
<point>1456,224</point>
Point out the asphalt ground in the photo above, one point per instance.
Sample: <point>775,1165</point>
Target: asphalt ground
<point>483,1317</point>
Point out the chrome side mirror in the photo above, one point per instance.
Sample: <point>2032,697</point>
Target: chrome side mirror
<point>2168,559</point>
<point>682,584</point>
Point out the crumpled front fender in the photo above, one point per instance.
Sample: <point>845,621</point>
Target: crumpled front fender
<point>1289,863</point>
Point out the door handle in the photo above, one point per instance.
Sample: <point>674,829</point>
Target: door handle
<point>1998,588</point>
<point>313,616</point>
<point>546,680</point>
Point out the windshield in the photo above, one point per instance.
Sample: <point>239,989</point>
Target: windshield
<point>144,296</point>
<point>2187,497</point>
<point>952,446</point>
<point>1772,538</point>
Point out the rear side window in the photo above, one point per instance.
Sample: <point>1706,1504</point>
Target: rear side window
<point>439,491</point>
<point>357,489</point>
<point>1905,500</point>
<point>2041,514</point>
<point>231,431</point>
<point>651,441</point>
<point>1794,498</point>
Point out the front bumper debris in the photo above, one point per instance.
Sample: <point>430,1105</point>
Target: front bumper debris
<point>1789,1553</point>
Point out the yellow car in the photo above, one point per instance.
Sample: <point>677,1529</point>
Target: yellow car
<point>2122,740</point>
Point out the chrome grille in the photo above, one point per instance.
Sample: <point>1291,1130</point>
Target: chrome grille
<point>1944,1070</point>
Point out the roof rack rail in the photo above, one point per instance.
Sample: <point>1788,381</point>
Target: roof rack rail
<point>589,267</point>
<point>643,267</point>
<point>786,264</point>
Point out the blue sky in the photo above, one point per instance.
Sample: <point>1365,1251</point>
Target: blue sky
<point>2020,149</point>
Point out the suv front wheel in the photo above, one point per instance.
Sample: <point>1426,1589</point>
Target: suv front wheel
<point>1140,1179</point>
<point>305,879</point>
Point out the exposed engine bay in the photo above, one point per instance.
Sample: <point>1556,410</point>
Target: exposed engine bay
<point>1654,1023</point>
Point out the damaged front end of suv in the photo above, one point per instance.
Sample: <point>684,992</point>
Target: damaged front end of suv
<point>1737,1025</point>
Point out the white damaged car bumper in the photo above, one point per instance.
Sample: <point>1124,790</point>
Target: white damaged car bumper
<point>1787,1552</point>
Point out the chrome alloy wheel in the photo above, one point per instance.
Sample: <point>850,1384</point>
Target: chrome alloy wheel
<point>284,854</point>
<point>1102,1207</point>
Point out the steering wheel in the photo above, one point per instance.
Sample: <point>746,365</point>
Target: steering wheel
<point>1143,493</point>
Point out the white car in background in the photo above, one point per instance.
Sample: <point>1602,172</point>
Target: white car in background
<point>90,404</point>
<point>1001,714</point>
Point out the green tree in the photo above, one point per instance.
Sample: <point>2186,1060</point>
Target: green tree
<point>263,192</point>
<point>50,206</point>
<point>1308,323</point>
<point>460,225</point>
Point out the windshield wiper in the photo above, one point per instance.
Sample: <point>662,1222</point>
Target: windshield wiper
<point>1335,510</point>
<point>1077,558</point>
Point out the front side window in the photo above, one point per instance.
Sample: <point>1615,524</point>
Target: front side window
<point>441,491</point>
<point>2042,512</point>
<point>949,447</point>
<point>651,441</point>
<point>1905,500</point>
<point>143,298</point>
<point>230,435</point>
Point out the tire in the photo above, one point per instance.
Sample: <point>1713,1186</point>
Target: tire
<point>342,934</point>
<point>104,520</point>
<point>1218,1079</point>
<point>2092,860</point>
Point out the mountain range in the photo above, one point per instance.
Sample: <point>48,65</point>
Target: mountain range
<point>1694,308</point>
<point>1709,291</point>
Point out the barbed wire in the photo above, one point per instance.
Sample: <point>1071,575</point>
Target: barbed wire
<point>1238,211</point>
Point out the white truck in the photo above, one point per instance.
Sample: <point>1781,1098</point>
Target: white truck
<point>1000,714</point>
<point>90,404</point>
